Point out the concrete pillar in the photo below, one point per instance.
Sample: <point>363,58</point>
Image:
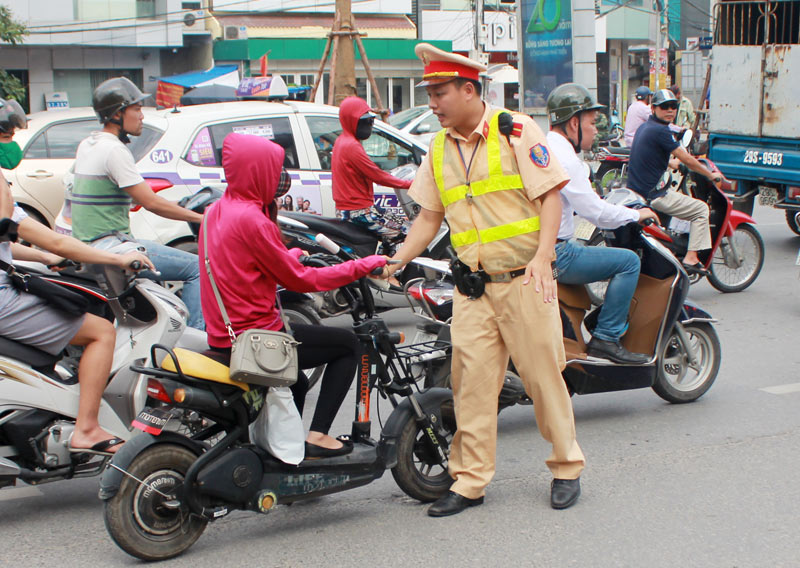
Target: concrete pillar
<point>411,88</point>
<point>390,97</point>
<point>584,61</point>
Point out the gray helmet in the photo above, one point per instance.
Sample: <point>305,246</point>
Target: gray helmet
<point>567,100</point>
<point>11,115</point>
<point>663,96</point>
<point>642,93</point>
<point>114,95</point>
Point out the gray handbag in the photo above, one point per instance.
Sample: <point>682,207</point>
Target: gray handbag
<point>258,356</point>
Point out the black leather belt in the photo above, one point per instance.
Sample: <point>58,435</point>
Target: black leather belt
<point>503,276</point>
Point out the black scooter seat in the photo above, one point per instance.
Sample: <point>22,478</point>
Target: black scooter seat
<point>27,354</point>
<point>335,229</point>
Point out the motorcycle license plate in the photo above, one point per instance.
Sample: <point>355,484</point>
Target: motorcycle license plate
<point>152,420</point>
<point>767,196</point>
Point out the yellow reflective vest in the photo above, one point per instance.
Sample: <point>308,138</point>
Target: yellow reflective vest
<point>493,224</point>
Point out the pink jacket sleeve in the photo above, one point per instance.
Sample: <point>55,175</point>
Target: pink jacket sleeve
<point>376,175</point>
<point>289,273</point>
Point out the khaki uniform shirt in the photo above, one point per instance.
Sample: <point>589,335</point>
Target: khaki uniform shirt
<point>538,167</point>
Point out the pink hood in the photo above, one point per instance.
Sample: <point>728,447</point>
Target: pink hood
<point>248,258</point>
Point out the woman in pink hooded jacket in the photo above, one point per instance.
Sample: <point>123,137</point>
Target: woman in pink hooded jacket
<point>249,260</point>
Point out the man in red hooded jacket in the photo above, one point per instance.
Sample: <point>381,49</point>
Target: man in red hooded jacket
<point>354,173</point>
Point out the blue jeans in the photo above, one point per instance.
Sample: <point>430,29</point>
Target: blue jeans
<point>176,264</point>
<point>582,265</point>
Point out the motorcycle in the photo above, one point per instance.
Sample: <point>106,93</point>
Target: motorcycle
<point>612,171</point>
<point>39,392</point>
<point>737,249</point>
<point>299,230</point>
<point>162,489</point>
<point>679,336</point>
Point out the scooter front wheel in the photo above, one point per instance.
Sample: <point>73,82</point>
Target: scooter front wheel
<point>738,260</point>
<point>145,518</point>
<point>679,379</point>
<point>420,471</point>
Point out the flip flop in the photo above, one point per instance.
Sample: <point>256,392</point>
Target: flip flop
<point>100,448</point>
<point>695,269</point>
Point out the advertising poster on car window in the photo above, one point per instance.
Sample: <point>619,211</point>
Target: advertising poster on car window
<point>202,150</point>
<point>302,197</point>
<point>546,49</point>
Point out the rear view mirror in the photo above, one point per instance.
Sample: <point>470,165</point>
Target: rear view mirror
<point>686,139</point>
<point>423,128</point>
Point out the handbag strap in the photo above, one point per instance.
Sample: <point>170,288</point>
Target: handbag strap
<point>225,319</point>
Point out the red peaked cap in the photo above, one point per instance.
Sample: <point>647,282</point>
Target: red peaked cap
<point>442,66</point>
<point>450,69</point>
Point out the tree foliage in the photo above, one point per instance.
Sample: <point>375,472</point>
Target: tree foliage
<point>11,32</point>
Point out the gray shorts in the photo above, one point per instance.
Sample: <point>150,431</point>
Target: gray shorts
<point>30,320</point>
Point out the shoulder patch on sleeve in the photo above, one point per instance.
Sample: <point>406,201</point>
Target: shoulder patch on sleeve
<point>540,155</point>
<point>517,129</point>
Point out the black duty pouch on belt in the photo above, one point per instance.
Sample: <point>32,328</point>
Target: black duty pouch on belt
<point>469,283</point>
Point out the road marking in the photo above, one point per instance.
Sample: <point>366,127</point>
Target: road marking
<point>20,493</point>
<point>782,389</point>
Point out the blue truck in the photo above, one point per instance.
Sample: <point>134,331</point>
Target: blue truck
<point>754,107</point>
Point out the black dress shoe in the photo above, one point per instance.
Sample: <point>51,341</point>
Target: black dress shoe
<point>614,351</point>
<point>452,504</point>
<point>314,451</point>
<point>564,492</point>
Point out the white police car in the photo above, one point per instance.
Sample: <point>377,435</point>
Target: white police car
<point>187,155</point>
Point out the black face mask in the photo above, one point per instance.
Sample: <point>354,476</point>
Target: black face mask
<point>364,128</point>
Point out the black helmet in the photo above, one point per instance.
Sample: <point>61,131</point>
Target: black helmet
<point>114,95</point>
<point>663,96</point>
<point>567,100</point>
<point>643,92</point>
<point>11,116</point>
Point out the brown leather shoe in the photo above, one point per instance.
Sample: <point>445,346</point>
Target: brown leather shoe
<point>452,504</point>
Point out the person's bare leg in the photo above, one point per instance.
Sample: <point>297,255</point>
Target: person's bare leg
<point>691,258</point>
<point>98,336</point>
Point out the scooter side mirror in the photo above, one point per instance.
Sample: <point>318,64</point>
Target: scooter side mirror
<point>687,137</point>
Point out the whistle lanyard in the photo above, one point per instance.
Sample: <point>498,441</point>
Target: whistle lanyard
<point>467,167</point>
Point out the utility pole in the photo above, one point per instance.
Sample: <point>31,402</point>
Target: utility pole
<point>345,76</point>
<point>343,72</point>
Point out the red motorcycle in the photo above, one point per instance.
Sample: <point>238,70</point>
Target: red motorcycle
<point>737,252</point>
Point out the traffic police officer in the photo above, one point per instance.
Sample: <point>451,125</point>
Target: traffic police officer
<point>493,178</point>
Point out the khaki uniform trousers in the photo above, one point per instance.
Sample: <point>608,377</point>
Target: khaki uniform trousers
<point>693,210</point>
<point>508,319</point>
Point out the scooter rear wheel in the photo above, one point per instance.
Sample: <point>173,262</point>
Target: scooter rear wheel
<point>420,472</point>
<point>750,249</point>
<point>676,380</point>
<point>143,522</point>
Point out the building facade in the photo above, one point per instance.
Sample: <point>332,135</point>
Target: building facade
<point>73,45</point>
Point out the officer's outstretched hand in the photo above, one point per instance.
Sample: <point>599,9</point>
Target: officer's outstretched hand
<point>541,272</point>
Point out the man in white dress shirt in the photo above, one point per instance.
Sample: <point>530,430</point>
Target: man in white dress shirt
<point>573,112</point>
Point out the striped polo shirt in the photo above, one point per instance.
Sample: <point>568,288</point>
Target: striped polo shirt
<point>103,165</point>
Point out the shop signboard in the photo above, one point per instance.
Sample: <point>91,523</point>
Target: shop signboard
<point>546,41</point>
